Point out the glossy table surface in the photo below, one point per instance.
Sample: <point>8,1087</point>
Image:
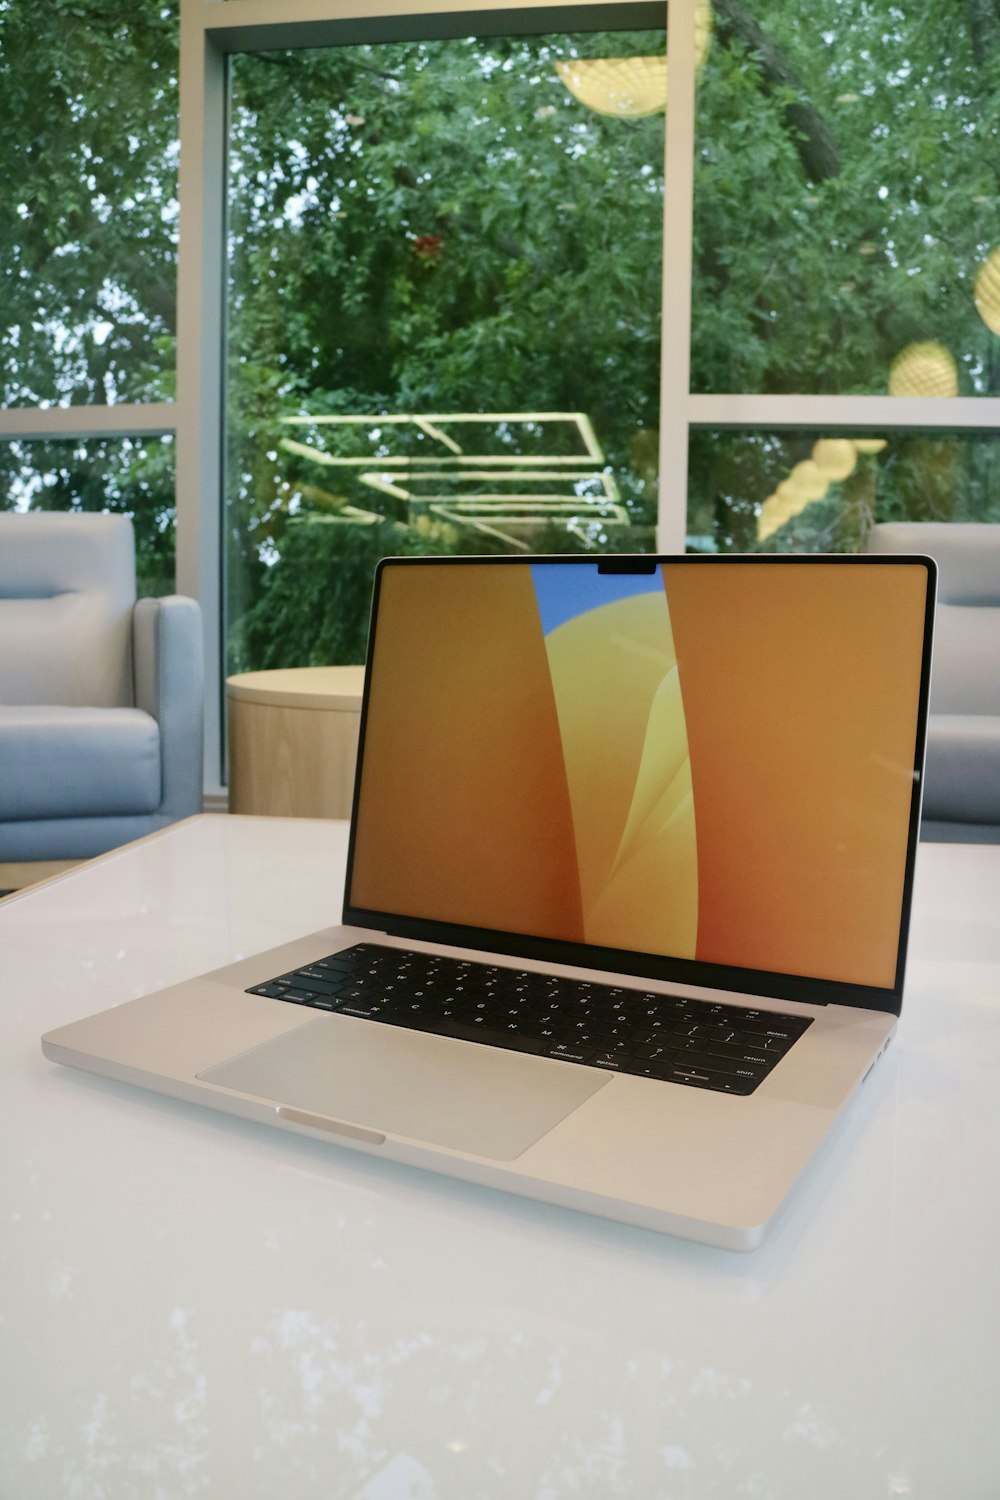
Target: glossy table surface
<point>193,1305</point>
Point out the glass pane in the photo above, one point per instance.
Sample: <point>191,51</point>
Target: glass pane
<point>845,200</point>
<point>88,209</point>
<point>811,492</point>
<point>444,294</point>
<point>130,476</point>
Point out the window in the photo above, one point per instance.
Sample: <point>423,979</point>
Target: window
<point>845,201</point>
<point>844,243</point>
<point>443,316</point>
<point>828,249</point>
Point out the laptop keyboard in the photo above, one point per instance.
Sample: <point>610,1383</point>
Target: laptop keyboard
<point>622,1030</point>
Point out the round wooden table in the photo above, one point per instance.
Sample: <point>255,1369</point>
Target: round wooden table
<point>293,741</point>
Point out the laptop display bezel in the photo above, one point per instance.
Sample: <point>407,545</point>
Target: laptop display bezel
<point>809,989</point>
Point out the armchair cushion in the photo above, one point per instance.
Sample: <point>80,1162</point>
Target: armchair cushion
<point>63,762</point>
<point>963,768</point>
<point>965,678</point>
<point>66,598</point>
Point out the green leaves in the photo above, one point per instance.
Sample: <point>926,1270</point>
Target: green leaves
<point>88,111</point>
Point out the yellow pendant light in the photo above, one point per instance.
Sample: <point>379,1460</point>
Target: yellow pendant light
<point>924,370</point>
<point>629,87</point>
<point>987,291</point>
<point>624,86</point>
<point>835,457</point>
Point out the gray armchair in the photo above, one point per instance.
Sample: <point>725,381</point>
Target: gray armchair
<point>962,781</point>
<point>100,696</point>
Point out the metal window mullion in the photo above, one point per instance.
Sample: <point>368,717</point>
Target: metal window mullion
<point>66,423</point>
<point>259,25</point>
<point>200,314</point>
<point>839,413</point>
<point>678,200</point>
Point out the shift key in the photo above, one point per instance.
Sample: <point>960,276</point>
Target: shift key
<point>736,1065</point>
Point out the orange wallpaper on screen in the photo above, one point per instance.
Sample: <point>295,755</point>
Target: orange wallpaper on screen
<point>801,827</point>
<point>427,830</point>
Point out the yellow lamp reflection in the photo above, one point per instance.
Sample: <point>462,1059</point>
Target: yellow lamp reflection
<point>629,87</point>
<point>987,291</point>
<point>833,460</point>
<point>625,86</point>
<point>924,370</point>
<point>835,457</point>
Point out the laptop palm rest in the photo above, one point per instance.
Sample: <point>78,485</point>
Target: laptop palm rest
<point>429,1089</point>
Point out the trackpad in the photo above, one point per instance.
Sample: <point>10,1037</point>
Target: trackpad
<point>459,1095</point>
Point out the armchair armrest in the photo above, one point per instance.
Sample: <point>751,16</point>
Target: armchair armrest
<point>168,671</point>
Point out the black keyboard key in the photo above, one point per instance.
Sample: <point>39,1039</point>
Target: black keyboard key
<point>690,1029</point>
<point>656,1054</point>
<point>612,1062</point>
<point>568,1052</point>
<point>621,1032</point>
<point>418,1022</point>
<point>707,1064</point>
<point>745,1053</point>
<point>317,983</point>
<point>335,964</point>
<point>358,994</point>
<point>650,1033</point>
<point>684,1073</point>
<point>508,1039</point>
<point>620,1046</point>
<point>775,1029</point>
<point>769,1044</point>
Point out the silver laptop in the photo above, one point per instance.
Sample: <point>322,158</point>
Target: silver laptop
<point>628,888</point>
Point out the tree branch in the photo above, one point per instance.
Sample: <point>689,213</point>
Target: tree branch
<point>984,24</point>
<point>810,134</point>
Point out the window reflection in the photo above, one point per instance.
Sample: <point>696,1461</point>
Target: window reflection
<point>752,491</point>
<point>845,198</point>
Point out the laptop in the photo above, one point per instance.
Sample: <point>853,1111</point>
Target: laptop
<point>627,895</point>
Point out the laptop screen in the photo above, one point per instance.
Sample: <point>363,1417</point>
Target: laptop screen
<point>704,769</point>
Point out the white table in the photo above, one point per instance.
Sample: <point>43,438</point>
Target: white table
<point>191,1305</point>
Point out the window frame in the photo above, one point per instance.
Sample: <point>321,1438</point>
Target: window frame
<point>211,31</point>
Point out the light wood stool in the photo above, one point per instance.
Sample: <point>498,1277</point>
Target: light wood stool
<point>293,741</point>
